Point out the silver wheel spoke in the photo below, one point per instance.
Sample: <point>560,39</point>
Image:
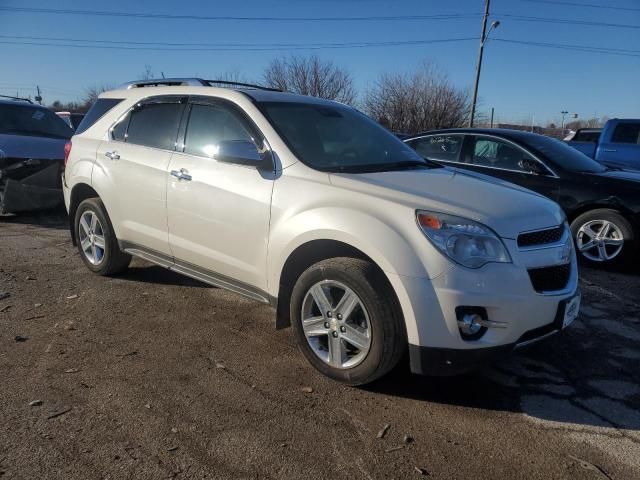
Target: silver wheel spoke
<point>356,338</point>
<point>94,222</point>
<point>588,231</point>
<point>86,244</point>
<point>613,241</point>
<point>321,298</point>
<point>314,326</point>
<point>604,231</point>
<point>99,241</point>
<point>587,246</point>
<point>347,303</point>
<point>94,254</point>
<point>85,225</point>
<point>335,351</point>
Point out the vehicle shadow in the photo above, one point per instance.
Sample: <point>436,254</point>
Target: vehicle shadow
<point>55,219</point>
<point>568,381</point>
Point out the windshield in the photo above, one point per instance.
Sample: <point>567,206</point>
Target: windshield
<point>336,138</point>
<point>32,121</point>
<point>562,154</point>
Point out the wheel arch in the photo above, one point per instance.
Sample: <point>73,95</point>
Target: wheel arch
<point>301,258</point>
<point>79,193</point>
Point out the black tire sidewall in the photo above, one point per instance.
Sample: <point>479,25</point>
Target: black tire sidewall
<point>629,247</point>
<point>369,368</point>
<point>96,206</point>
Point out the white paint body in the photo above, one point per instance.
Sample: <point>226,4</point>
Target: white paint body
<point>243,224</point>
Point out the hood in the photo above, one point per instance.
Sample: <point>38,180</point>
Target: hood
<point>503,207</point>
<point>23,146</point>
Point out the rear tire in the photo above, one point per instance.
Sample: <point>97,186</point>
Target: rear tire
<point>603,237</point>
<point>362,320</point>
<point>97,241</point>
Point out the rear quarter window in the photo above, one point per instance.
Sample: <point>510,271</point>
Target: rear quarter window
<point>627,133</point>
<point>96,112</point>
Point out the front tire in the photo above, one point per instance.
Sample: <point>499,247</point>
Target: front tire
<point>347,320</point>
<point>603,237</point>
<point>97,241</point>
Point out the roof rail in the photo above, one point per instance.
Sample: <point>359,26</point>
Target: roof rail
<point>198,82</point>
<point>165,82</point>
<point>240,84</point>
<point>16,98</point>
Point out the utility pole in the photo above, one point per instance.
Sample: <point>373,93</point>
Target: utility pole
<point>38,96</point>
<point>491,117</point>
<point>483,37</point>
<point>563,113</point>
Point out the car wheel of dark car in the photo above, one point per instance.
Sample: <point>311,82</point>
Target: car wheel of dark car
<point>603,236</point>
<point>97,241</point>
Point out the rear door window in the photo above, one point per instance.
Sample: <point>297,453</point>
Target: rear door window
<point>95,113</point>
<point>494,153</point>
<point>155,125</point>
<point>627,133</point>
<point>438,147</point>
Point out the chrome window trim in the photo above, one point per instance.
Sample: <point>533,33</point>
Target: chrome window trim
<point>535,157</point>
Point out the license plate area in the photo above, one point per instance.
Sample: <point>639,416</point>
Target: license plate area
<point>571,310</point>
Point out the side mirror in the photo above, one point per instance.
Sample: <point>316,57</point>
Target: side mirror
<point>529,165</point>
<point>239,151</point>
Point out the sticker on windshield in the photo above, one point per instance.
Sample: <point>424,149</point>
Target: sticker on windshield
<point>38,115</point>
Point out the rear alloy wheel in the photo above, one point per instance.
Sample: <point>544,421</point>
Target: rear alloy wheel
<point>347,320</point>
<point>97,241</point>
<point>603,237</point>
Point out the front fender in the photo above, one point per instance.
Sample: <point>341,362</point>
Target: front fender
<point>393,252</point>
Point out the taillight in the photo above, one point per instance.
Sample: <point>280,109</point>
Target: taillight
<point>67,151</point>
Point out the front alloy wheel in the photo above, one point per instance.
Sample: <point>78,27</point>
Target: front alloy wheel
<point>336,324</point>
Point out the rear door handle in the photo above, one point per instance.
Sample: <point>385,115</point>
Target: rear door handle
<point>610,150</point>
<point>182,174</point>
<point>112,155</point>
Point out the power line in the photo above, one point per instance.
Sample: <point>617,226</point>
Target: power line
<point>587,5</point>
<point>105,13</point>
<point>225,45</point>
<point>566,21</point>
<point>242,48</point>
<point>581,48</point>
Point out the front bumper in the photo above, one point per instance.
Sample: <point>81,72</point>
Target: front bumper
<point>435,361</point>
<point>504,291</point>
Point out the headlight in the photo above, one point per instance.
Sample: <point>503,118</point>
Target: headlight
<point>464,241</point>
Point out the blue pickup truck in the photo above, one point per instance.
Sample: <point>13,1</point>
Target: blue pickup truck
<point>617,145</point>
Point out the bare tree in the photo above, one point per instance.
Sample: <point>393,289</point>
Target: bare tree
<point>147,74</point>
<point>91,95</point>
<point>422,100</point>
<point>311,76</point>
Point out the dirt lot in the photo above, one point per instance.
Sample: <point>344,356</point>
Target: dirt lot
<point>152,375</point>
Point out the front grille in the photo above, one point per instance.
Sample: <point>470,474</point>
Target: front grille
<point>550,279</point>
<point>541,237</point>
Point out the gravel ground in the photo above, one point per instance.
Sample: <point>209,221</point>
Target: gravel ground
<point>152,375</point>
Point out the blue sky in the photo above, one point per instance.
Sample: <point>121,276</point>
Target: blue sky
<point>519,81</point>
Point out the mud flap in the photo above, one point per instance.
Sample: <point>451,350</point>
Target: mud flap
<point>39,191</point>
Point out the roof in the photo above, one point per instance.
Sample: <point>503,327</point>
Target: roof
<point>20,102</point>
<point>500,132</point>
<point>197,86</point>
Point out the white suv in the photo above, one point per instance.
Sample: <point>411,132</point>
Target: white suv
<point>363,247</point>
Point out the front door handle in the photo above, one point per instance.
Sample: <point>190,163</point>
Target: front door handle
<point>112,155</point>
<point>182,174</point>
<point>610,150</point>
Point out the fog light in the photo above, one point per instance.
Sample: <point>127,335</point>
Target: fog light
<point>470,324</point>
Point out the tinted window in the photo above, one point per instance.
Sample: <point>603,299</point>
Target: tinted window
<point>587,136</point>
<point>30,121</point>
<point>337,138</point>
<point>210,124</point>
<point>155,125</point>
<point>560,153</point>
<point>627,133</point>
<point>97,110</point>
<point>489,152</point>
<point>438,147</point>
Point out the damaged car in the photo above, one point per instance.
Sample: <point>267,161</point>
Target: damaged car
<point>32,142</point>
